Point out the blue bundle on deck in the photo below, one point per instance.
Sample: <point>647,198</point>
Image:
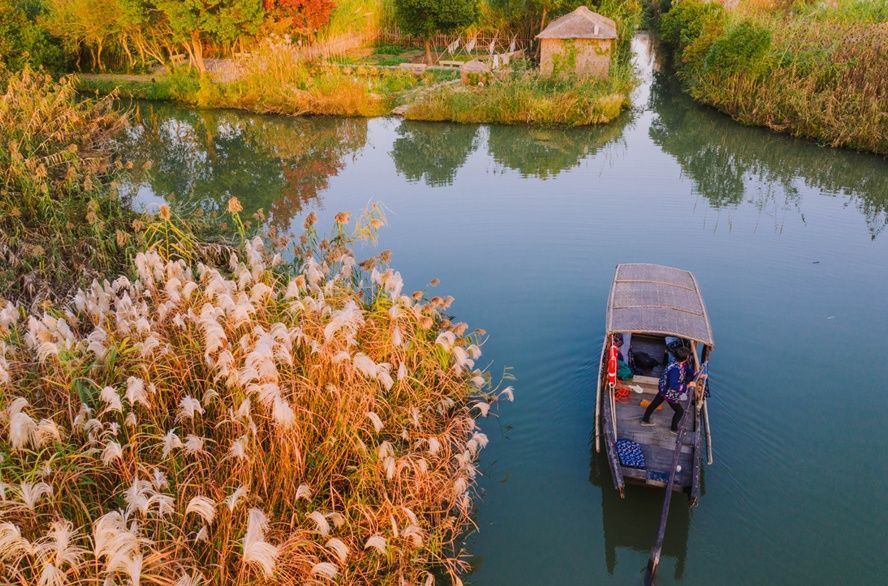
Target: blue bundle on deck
<point>630,454</point>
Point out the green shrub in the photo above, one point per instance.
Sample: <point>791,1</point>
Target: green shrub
<point>688,20</point>
<point>742,47</point>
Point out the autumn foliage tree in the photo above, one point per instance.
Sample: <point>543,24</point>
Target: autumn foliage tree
<point>302,16</point>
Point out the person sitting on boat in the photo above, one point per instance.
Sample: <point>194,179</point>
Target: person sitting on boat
<point>677,378</point>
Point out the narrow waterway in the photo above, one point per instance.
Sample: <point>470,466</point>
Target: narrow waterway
<point>524,226</point>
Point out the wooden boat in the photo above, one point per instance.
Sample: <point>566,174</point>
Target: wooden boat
<point>647,304</point>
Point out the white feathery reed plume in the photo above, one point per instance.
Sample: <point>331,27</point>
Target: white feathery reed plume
<point>12,544</point>
<point>188,406</point>
<point>376,542</point>
<point>58,550</point>
<point>171,442</point>
<point>135,392</point>
<point>112,452</point>
<point>22,430</point>
<point>111,399</point>
<point>204,507</point>
<point>303,492</point>
<point>137,495</point>
<point>321,524</point>
<point>256,549</point>
<point>375,419</point>
<point>324,570</point>
<point>30,493</point>
<point>194,444</point>
<point>339,549</point>
<point>235,497</point>
<point>238,449</point>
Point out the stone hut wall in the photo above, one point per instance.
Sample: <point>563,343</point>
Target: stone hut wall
<point>592,57</point>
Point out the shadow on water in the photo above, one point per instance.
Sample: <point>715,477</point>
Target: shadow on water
<point>631,523</point>
<point>279,165</point>
<point>730,164</point>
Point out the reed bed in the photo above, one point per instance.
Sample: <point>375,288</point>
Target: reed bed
<point>815,72</point>
<point>254,421</point>
<point>59,221</point>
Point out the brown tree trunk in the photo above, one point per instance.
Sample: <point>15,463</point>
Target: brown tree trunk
<point>197,51</point>
<point>428,51</point>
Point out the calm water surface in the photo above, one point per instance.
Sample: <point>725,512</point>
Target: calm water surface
<point>524,226</point>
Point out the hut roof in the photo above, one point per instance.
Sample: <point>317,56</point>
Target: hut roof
<point>582,23</point>
<point>648,298</point>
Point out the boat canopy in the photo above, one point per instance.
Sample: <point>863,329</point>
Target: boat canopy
<point>656,299</point>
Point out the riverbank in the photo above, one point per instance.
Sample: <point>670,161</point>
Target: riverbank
<point>813,70</point>
<point>518,96</point>
<point>182,411</point>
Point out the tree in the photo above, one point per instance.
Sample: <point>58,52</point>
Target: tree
<point>424,18</point>
<point>85,23</point>
<point>304,16</point>
<point>22,40</point>
<point>194,22</point>
<point>531,16</point>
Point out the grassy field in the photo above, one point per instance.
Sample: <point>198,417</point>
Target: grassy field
<point>812,69</point>
<point>525,97</point>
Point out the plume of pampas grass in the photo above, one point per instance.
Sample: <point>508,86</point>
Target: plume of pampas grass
<point>194,444</point>
<point>376,421</point>
<point>171,442</point>
<point>111,399</point>
<point>202,506</point>
<point>339,549</point>
<point>376,542</point>
<point>303,492</point>
<point>22,430</point>
<point>188,407</point>
<point>12,544</point>
<point>30,493</point>
<point>322,526</point>
<point>232,499</point>
<point>135,392</point>
<point>112,452</point>
<point>324,570</point>
<point>256,550</point>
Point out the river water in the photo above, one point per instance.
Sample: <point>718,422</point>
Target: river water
<point>524,226</point>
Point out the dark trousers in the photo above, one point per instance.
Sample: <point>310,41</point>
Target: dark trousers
<point>658,400</point>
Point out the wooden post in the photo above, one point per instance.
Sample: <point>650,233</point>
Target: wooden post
<point>654,560</point>
<point>709,459</point>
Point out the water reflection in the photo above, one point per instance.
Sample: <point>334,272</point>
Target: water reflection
<point>546,152</point>
<point>631,523</point>
<point>204,157</point>
<point>730,163</point>
<point>431,151</point>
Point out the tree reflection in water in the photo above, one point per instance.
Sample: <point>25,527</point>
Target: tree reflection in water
<point>546,152</point>
<point>725,159</point>
<point>433,151</point>
<point>272,163</point>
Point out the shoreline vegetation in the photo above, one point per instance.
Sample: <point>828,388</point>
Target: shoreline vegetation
<point>812,69</point>
<point>184,411</point>
<point>284,74</point>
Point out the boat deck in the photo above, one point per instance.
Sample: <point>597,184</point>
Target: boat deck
<point>657,442</point>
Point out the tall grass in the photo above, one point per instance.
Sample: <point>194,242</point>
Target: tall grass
<point>239,423</point>
<point>191,418</point>
<point>526,97</point>
<point>59,225</point>
<point>812,71</point>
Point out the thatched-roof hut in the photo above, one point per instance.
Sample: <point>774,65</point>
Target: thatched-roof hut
<point>580,42</point>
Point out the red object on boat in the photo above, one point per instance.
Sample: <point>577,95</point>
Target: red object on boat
<point>612,365</point>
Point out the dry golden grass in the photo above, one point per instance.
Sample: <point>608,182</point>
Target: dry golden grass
<point>247,423</point>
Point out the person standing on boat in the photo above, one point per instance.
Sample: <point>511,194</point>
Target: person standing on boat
<point>674,384</point>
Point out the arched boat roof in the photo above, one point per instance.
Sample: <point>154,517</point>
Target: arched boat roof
<point>656,299</point>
